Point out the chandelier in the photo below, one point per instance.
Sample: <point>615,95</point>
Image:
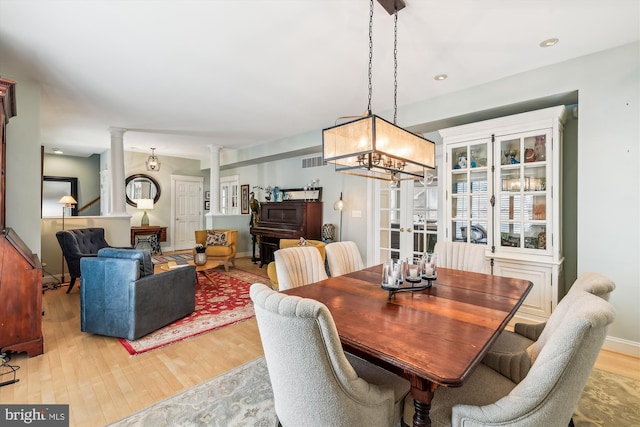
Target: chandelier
<point>153,163</point>
<point>371,146</point>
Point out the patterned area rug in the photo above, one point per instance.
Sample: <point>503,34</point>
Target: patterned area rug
<point>243,397</point>
<point>178,258</point>
<point>222,299</point>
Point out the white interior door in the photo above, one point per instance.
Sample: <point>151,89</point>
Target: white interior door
<point>187,210</point>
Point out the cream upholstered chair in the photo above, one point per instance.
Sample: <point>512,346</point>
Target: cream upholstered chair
<point>314,382</point>
<point>298,266</point>
<point>525,334</point>
<point>343,258</point>
<point>461,256</point>
<point>560,365</point>
<point>287,243</point>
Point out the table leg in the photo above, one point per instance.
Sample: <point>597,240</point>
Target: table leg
<point>422,392</point>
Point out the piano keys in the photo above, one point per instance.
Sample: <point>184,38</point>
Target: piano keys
<point>289,219</point>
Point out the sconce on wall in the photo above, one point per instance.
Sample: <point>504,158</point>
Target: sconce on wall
<point>339,206</point>
<point>153,163</point>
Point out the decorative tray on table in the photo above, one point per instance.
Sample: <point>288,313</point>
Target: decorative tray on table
<point>411,285</point>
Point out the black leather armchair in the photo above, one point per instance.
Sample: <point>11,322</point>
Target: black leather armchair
<point>79,243</point>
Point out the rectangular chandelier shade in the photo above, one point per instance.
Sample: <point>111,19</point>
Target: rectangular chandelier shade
<point>375,148</point>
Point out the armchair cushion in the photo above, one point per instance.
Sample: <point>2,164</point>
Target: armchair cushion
<point>216,238</point>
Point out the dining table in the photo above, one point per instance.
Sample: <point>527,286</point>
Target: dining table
<point>434,337</point>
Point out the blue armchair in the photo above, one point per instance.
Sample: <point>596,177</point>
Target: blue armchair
<point>121,297</point>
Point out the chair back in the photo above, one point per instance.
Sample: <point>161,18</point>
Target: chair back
<point>313,382</point>
<point>80,242</point>
<point>298,266</point>
<point>343,258</point>
<point>594,283</point>
<point>461,256</point>
<point>551,389</point>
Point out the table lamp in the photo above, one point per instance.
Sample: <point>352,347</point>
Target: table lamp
<point>145,204</point>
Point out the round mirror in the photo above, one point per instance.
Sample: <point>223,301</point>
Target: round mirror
<point>140,186</point>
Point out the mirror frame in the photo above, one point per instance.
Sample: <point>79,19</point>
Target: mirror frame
<point>136,176</point>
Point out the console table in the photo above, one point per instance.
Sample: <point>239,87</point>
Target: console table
<point>148,229</point>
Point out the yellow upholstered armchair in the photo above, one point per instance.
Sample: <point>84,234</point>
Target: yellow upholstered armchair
<point>287,243</point>
<point>221,245</point>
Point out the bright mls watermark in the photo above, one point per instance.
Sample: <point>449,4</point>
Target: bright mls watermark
<point>34,415</point>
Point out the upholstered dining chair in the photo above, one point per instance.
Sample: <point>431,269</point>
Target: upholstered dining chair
<point>343,258</point>
<point>525,334</point>
<point>298,266</point>
<point>461,256</point>
<point>547,392</point>
<point>315,383</point>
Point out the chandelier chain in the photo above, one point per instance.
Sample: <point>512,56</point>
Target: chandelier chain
<point>395,67</point>
<point>370,73</point>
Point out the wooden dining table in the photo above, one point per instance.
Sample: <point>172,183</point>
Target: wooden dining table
<point>434,337</point>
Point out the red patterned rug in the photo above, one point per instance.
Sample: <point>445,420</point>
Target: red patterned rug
<point>221,303</point>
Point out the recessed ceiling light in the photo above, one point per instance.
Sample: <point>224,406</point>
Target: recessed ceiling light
<point>549,42</point>
<point>57,151</point>
<point>440,77</point>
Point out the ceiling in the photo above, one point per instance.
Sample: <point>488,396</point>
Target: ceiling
<point>181,75</point>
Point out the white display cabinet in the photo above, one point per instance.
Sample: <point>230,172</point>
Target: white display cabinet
<point>502,185</point>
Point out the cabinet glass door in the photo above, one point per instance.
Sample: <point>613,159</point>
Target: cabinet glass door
<point>523,198</point>
<point>469,193</point>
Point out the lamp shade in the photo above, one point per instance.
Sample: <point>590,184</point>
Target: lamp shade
<point>145,204</point>
<point>373,147</point>
<point>67,201</point>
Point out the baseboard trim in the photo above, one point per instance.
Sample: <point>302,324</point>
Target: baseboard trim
<point>632,348</point>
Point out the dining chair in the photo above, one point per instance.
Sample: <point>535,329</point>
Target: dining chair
<point>314,382</point>
<point>343,258</point>
<point>525,334</point>
<point>298,266</point>
<point>461,256</point>
<point>547,394</point>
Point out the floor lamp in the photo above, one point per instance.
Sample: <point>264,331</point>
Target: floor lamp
<point>67,202</point>
<point>338,206</point>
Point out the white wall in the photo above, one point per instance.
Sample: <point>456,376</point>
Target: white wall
<point>23,165</point>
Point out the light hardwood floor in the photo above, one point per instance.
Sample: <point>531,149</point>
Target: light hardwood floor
<point>102,383</point>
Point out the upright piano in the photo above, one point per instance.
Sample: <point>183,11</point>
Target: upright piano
<point>20,296</point>
<point>289,219</point>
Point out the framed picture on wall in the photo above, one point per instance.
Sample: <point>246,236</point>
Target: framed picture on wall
<point>207,195</point>
<point>207,205</point>
<point>244,199</point>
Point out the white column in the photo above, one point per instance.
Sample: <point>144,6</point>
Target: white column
<point>118,201</point>
<point>214,179</point>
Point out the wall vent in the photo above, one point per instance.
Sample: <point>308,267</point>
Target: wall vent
<point>312,162</point>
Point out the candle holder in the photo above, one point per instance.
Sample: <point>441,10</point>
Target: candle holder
<point>413,272</point>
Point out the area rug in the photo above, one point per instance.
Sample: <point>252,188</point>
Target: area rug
<point>222,299</point>
<point>178,258</point>
<point>243,397</point>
